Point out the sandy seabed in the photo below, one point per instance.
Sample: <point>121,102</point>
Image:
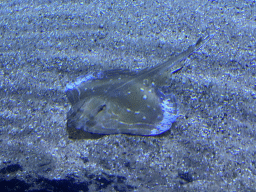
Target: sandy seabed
<point>44,45</point>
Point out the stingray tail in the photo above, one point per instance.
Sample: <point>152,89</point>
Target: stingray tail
<point>174,63</point>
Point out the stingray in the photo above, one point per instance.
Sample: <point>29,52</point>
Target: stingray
<point>121,101</point>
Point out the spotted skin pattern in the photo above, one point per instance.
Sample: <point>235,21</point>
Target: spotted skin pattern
<point>122,101</point>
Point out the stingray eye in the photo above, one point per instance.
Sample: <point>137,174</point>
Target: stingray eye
<point>101,108</point>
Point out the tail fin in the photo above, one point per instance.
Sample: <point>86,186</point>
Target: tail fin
<point>173,64</point>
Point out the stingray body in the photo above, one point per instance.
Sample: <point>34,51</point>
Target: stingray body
<point>128,102</point>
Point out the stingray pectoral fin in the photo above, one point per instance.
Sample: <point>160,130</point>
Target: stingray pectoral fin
<point>109,122</point>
